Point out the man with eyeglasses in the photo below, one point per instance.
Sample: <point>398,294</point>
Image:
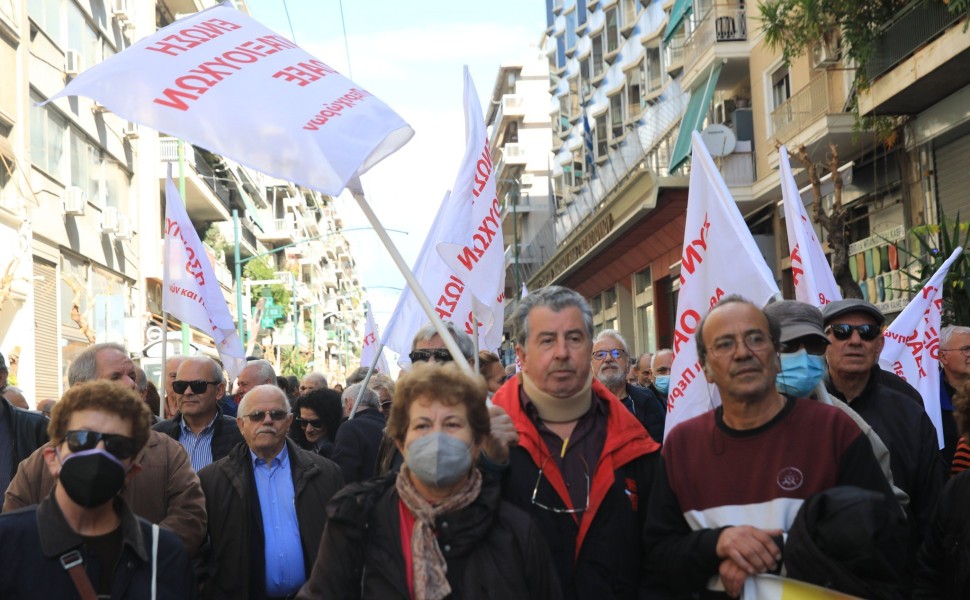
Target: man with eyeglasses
<point>267,499</point>
<point>610,360</point>
<point>854,329</point>
<point>733,478</point>
<point>83,540</point>
<point>954,374</point>
<point>312,382</point>
<point>584,465</point>
<point>205,433</point>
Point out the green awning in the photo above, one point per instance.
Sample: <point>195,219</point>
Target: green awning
<point>251,210</point>
<point>700,101</point>
<point>681,9</point>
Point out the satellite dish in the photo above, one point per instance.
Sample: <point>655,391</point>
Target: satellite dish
<point>719,139</point>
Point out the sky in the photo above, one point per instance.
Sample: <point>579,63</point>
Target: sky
<point>410,55</point>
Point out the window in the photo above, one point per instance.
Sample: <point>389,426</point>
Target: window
<point>47,135</point>
<point>616,116</point>
<point>584,75</point>
<point>634,89</point>
<point>117,185</point>
<point>85,166</point>
<point>601,136</point>
<point>597,55</point>
<point>81,37</point>
<point>570,30</point>
<point>780,87</point>
<point>629,11</point>
<point>612,29</point>
<point>654,71</point>
<point>47,15</point>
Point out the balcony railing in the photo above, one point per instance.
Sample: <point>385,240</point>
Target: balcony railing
<point>722,23</point>
<point>804,107</point>
<point>168,152</point>
<point>674,54</point>
<point>912,28</point>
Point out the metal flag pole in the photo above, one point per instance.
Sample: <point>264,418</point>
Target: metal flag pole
<point>363,386</point>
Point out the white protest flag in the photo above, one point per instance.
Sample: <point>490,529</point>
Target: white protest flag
<point>473,246</point>
<point>223,81</point>
<point>811,272</point>
<point>446,292</point>
<point>193,294</point>
<point>912,343</point>
<point>372,345</point>
<point>719,258</point>
<point>525,291</point>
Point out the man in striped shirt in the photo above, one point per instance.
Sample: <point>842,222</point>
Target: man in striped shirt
<point>205,433</point>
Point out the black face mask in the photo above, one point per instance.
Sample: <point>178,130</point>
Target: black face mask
<point>92,477</point>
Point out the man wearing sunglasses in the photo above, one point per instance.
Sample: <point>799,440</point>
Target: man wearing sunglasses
<point>610,360</point>
<point>82,535</point>
<point>205,433</point>
<point>267,499</point>
<point>854,329</point>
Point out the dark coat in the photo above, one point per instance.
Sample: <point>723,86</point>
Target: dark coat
<point>29,432</point>
<point>648,409</point>
<point>34,539</point>
<point>357,443</point>
<point>493,550</point>
<point>225,435</point>
<point>943,563</point>
<point>230,493</point>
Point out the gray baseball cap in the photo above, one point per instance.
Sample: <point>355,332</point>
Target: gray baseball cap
<point>797,320</point>
<point>836,309</point>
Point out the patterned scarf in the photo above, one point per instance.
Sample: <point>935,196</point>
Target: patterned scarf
<point>428,563</point>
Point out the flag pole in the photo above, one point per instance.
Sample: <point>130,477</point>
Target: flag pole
<point>358,193</point>
<point>475,339</point>
<point>163,387</point>
<point>363,386</point>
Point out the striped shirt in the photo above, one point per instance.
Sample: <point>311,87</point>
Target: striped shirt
<point>198,446</point>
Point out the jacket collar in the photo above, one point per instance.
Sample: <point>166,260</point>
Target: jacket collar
<point>238,465</point>
<point>57,537</point>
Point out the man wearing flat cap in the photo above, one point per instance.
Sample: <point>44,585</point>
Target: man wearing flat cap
<point>854,328</point>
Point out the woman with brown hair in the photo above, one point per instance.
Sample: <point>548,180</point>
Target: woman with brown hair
<point>438,528</point>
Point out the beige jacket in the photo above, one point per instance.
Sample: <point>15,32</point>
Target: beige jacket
<point>166,491</point>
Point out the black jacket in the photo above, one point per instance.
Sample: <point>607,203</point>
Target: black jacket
<point>236,566</point>
<point>357,443</point>
<point>225,436</point>
<point>493,550</point>
<point>648,409</point>
<point>943,563</point>
<point>29,432</point>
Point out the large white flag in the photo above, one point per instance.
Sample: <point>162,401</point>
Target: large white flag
<point>811,272</point>
<point>372,345</point>
<point>223,81</point>
<point>451,299</point>
<point>193,294</point>
<point>719,258</point>
<point>473,246</point>
<point>912,344</point>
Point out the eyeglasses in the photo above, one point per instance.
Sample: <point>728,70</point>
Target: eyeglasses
<point>843,331</point>
<point>306,388</point>
<point>198,386</point>
<point>813,346</point>
<point>302,423</point>
<point>755,341</point>
<point>616,354</point>
<point>439,354</point>
<point>258,416</point>
<point>561,511</point>
<point>965,350</point>
<point>120,446</point>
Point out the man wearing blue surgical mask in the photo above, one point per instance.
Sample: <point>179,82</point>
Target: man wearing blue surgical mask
<point>660,365</point>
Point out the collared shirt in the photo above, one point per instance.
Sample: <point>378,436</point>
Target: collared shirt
<point>277,502</point>
<point>198,446</point>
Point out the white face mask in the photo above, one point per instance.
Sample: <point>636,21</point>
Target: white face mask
<point>438,460</point>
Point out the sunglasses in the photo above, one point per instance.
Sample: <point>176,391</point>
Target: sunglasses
<point>120,446</point>
<point>843,331</point>
<point>815,346</point>
<point>198,386</point>
<point>258,416</point>
<point>439,354</point>
<point>302,423</point>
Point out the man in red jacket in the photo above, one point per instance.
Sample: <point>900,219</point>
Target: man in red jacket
<point>583,464</point>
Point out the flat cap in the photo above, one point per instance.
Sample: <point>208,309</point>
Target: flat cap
<point>838,308</point>
<point>797,319</point>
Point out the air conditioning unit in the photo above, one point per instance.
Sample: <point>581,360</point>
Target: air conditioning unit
<point>130,131</point>
<point>72,62</point>
<point>121,10</point>
<point>124,228</point>
<point>826,54</point>
<point>109,220</point>
<point>73,200</point>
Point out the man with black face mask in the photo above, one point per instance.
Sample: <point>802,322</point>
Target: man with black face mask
<point>82,539</point>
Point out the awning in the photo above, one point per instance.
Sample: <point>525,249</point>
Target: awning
<point>700,101</point>
<point>681,9</point>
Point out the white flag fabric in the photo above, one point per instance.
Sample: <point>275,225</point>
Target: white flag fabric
<point>221,80</point>
<point>193,294</point>
<point>772,587</point>
<point>811,272</point>
<point>446,291</point>
<point>473,247</point>
<point>525,291</point>
<point>372,345</point>
<point>719,258</point>
<point>912,343</point>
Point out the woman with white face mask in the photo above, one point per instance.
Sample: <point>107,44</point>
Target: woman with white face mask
<point>439,527</point>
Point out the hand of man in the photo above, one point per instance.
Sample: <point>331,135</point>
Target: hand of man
<point>732,577</point>
<point>503,435</point>
<point>750,548</point>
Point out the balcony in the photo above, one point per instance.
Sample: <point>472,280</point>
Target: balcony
<point>815,113</point>
<point>511,107</point>
<point>721,37</point>
<point>919,59</point>
<point>206,196</point>
<point>281,230</point>
<point>674,55</point>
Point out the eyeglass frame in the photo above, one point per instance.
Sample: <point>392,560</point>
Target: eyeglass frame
<point>258,416</point>
<point>724,352</point>
<point>560,511</point>
<point>303,423</point>
<point>107,438</point>
<point>192,385</point>
<point>439,354</point>
<point>616,353</point>
<point>965,350</point>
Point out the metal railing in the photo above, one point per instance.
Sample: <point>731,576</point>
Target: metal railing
<point>803,108</point>
<point>722,23</point>
<point>913,26</point>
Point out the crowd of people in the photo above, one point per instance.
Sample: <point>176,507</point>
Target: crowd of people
<point>548,478</point>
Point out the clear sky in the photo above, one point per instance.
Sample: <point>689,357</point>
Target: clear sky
<point>410,55</point>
